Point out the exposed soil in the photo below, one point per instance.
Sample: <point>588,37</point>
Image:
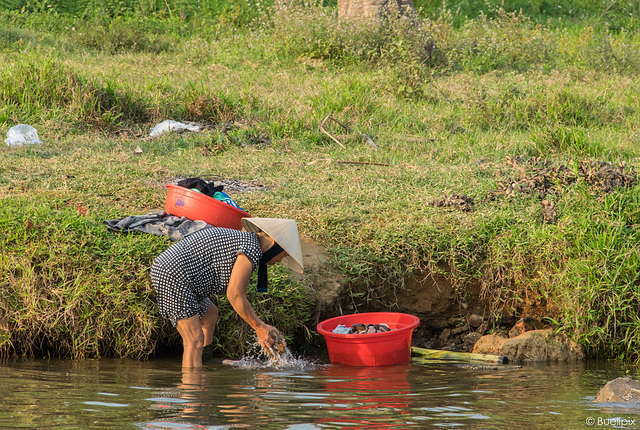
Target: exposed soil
<point>459,201</point>
<point>542,177</point>
<point>234,186</point>
<point>448,320</point>
<point>545,180</point>
<point>230,186</point>
<point>326,284</point>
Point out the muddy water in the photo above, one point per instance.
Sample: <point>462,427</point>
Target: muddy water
<point>121,394</point>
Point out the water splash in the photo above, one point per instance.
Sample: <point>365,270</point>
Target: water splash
<point>284,359</point>
<point>287,360</point>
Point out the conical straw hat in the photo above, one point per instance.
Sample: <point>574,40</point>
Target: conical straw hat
<point>285,233</point>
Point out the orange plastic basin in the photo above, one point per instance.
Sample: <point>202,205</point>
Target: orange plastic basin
<point>184,202</point>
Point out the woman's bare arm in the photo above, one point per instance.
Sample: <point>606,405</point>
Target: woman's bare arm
<point>237,295</point>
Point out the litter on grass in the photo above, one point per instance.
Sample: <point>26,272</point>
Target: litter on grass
<point>22,134</point>
<point>171,125</point>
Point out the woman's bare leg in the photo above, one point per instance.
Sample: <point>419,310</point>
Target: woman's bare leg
<point>192,341</point>
<point>208,323</point>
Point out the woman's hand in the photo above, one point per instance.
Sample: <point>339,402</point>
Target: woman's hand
<point>267,336</point>
<point>272,342</point>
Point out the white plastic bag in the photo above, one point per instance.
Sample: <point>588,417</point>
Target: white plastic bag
<point>170,125</point>
<point>22,134</point>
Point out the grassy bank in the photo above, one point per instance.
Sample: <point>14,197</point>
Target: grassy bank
<point>505,109</point>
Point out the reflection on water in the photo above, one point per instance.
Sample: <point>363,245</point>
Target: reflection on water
<point>368,397</point>
<point>440,395</point>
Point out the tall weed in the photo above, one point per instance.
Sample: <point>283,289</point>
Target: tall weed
<point>39,86</point>
<point>606,52</point>
<point>71,290</point>
<point>123,35</point>
<point>603,306</point>
<point>506,41</point>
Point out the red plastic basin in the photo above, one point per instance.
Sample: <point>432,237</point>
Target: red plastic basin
<point>374,349</point>
<point>197,206</point>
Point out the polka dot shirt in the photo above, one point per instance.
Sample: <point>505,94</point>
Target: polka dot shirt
<point>198,266</point>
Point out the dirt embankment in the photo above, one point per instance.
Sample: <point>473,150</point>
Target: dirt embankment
<point>448,320</point>
<point>453,319</point>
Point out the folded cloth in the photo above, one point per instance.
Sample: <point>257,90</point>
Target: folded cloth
<point>341,329</point>
<point>158,223</point>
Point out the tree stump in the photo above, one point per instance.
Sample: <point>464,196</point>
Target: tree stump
<point>372,12</point>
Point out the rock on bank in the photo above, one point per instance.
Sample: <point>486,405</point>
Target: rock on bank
<point>531,346</point>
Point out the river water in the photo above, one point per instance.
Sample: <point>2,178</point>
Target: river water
<point>307,394</point>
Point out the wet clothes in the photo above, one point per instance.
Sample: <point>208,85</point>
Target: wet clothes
<point>198,266</point>
<point>158,223</point>
<point>207,188</point>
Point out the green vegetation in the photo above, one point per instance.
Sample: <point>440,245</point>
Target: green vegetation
<point>531,115</point>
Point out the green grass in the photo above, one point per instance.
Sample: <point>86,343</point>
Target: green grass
<point>449,104</point>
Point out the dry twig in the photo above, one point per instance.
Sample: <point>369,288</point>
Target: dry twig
<point>346,129</point>
<point>329,117</point>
